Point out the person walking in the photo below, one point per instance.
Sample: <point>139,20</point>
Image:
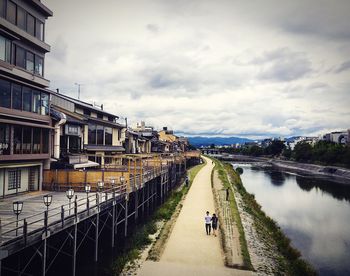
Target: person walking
<point>207,223</point>
<point>227,193</point>
<point>214,224</point>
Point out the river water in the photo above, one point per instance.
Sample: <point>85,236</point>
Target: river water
<point>313,213</point>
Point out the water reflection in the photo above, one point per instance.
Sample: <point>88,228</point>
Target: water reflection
<point>338,191</point>
<point>314,213</point>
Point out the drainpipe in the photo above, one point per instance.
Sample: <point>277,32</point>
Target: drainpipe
<point>56,146</point>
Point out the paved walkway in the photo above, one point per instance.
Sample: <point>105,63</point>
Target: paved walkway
<point>189,250</point>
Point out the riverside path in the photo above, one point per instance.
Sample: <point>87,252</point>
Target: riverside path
<point>189,250</point>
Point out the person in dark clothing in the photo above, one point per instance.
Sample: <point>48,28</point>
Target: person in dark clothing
<point>207,223</point>
<point>227,193</point>
<point>214,224</point>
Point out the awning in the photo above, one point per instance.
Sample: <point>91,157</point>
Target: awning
<point>19,165</point>
<point>88,164</point>
<point>104,148</point>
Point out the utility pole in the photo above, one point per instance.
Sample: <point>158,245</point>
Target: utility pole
<point>78,84</point>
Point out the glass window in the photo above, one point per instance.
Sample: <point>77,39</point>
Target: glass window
<point>30,62</point>
<point>20,57</point>
<point>39,64</point>
<point>99,132</point>
<point>5,94</point>
<point>11,12</point>
<point>30,24</point>
<point>16,96</point>
<point>2,8</point>
<point>92,134</point>
<point>108,136</point>
<point>39,30</point>
<point>87,112</point>
<point>4,139</point>
<point>45,140</point>
<point>5,49</point>
<point>27,99</point>
<point>44,104</point>
<point>17,140</point>
<point>27,140</point>
<point>36,102</point>
<point>14,179</point>
<point>21,18</point>
<point>99,115</point>
<point>36,140</point>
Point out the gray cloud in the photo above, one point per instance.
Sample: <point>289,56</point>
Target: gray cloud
<point>253,68</point>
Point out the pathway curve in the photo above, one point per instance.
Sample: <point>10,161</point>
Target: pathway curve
<point>189,250</point>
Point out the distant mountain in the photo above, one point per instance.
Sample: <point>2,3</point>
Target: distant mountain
<point>219,141</point>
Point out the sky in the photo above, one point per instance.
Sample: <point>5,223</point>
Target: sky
<point>212,68</point>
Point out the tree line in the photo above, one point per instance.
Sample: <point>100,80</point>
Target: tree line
<point>323,152</point>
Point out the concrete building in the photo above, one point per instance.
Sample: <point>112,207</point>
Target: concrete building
<point>339,137</point>
<point>25,123</point>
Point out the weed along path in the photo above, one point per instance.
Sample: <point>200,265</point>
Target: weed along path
<point>189,250</point>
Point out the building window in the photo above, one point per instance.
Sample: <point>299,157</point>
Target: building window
<point>17,140</point>
<point>44,104</point>
<point>99,134</point>
<point>14,179</point>
<point>31,24</point>
<point>92,134</point>
<point>27,99</point>
<point>4,139</point>
<point>39,34</point>
<point>39,65</point>
<point>36,140</point>
<point>20,57</point>
<point>16,96</point>
<point>108,136</point>
<point>2,8</point>
<point>30,62</point>
<point>5,94</point>
<point>87,112</point>
<point>11,12</point>
<point>27,140</point>
<point>5,49</point>
<point>21,18</point>
<point>45,140</point>
<point>99,115</point>
<point>36,102</point>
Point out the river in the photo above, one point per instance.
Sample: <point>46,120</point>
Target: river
<point>313,213</point>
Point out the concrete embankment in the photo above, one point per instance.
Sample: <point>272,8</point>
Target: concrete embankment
<point>332,173</point>
<point>336,174</point>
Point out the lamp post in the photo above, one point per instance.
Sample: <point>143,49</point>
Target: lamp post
<point>122,179</point>
<point>87,190</point>
<point>47,201</point>
<point>17,209</point>
<point>100,185</point>
<point>70,194</point>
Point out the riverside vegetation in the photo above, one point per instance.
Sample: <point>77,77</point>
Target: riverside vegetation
<point>288,260</point>
<point>132,247</point>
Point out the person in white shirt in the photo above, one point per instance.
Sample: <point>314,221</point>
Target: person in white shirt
<point>207,219</point>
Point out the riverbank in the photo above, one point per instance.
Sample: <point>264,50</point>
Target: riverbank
<point>337,174</point>
<point>269,249</point>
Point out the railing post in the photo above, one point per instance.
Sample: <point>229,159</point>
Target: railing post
<point>88,205</point>
<point>45,221</point>
<point>62,216</point>
<point>25,231</point>
<point>0,236</point>
<point>75,208</point>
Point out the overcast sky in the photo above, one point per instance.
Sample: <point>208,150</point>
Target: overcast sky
<point>223,68</point>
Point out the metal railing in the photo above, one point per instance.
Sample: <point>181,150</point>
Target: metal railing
<point>42,221</point>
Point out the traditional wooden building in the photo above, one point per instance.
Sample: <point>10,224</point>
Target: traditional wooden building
<point>25,123</point>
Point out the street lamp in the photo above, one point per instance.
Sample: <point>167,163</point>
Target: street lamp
<point>87,190</point>
<point>47,201</point>
<point>70,194</point>
<point>122,179</point>
<point>100,185</point>
<point>17,209</point>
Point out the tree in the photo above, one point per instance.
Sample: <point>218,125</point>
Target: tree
<point>275,148</point>
<point>302,151</point>
<point>212,146</point>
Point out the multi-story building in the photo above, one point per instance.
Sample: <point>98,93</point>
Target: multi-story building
<point>83,129</point>
<point>25,123</point>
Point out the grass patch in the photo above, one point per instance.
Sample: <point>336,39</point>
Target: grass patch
<point>292,264</point>
<point>234,211</point>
